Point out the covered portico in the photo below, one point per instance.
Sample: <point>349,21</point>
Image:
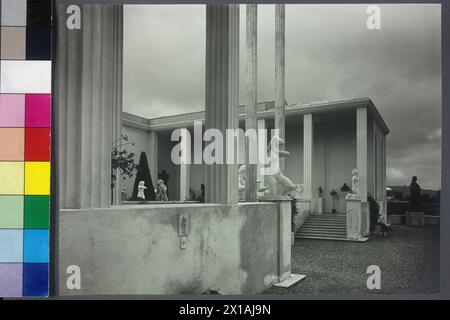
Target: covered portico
<point>323,139</point>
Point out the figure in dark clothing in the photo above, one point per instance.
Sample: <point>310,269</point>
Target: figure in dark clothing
<point>414,194</point>
<point>374,212</point>
<point>202,195</point>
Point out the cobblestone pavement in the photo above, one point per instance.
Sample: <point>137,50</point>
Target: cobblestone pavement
<point>408,259</point>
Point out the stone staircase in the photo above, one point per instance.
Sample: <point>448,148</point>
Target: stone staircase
<point>324,226</point>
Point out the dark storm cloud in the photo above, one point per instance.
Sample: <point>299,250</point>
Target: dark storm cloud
<point>330,55</point>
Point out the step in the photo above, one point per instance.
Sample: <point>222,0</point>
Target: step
<point>318,224</point>
<point>339,224</point>
<point>320,231</point>
<point>331,238</point>
<point>322,234</point>
<point>312,236</point>
<point>306,234</point>
<point>327,229</point>
<point>327,218</point>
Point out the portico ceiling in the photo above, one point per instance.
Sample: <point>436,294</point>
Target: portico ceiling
<point>264,111</point>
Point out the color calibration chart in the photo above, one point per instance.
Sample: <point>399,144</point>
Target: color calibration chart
<point>25,122</point>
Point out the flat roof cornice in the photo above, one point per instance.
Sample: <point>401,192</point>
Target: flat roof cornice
<point>186,120</point>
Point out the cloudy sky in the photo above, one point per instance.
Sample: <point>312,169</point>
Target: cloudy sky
<point>330,55</point>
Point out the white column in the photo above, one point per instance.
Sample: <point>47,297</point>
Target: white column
<point>222,94</point>
<point>280,73</point>
<point>89,84</point>
<point>117,93</point>
<point>361,150</point>
<point>307,156</point>
<point>184,166</point>
<point>262,148</point>
<point>153,156</point>
<point>383,159</point>
<point>250,119</point>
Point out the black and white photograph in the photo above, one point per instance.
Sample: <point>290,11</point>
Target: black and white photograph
<point>349,97</point>
<point>212,151</point>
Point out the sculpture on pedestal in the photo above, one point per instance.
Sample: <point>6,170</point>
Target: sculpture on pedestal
<point>414,194</point>
<point>161,191</point>
<point>278,183</point>
<point>241,184</point>
<point>354,195</point>
<point>141,189</point>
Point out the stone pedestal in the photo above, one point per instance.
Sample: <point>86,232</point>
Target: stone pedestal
<point>414,219</point>
<point>304,210</point>
<point>357,219</point>
<point>396,219</point>
<point>320,205</point>
<point>284,242</point>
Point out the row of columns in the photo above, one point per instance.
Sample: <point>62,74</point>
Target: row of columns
<point>91,108</point>
<point>222,85</point>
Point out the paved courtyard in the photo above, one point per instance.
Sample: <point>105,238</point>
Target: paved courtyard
<point>408,259</point>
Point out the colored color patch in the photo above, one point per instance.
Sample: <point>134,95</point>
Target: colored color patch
<point>13,43</point>
<point>35,246</point>
<point>11,280</point>
<point>11,212</point>
<point>11,177</point>
<point>12,110</point>
<point>12,144</point>
<point>37,212</point>
<point>35,279</point>
<point>39,43</point>
<point>11,246</point>
<point>37,178</point>
<point>38,13</point>
<point>38,110</point>
<point>14,12</point>
<point>37,144</point>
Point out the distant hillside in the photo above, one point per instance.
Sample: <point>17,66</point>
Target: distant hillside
<point>404,190</point>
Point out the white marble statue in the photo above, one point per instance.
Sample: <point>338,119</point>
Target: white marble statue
<point>141,189</point>
<point>278,184</point>
<point>297,193</point>
<point>241,184</point>
<point>355,186</point>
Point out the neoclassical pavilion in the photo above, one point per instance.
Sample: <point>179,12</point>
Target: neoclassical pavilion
<point>324,139</point>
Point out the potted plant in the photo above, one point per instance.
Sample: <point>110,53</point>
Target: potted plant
<point>122,163</point>
<point>333,195</point>
<point>320,201</point>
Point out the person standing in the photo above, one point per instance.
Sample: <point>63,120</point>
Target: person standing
<point>374,212</point>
